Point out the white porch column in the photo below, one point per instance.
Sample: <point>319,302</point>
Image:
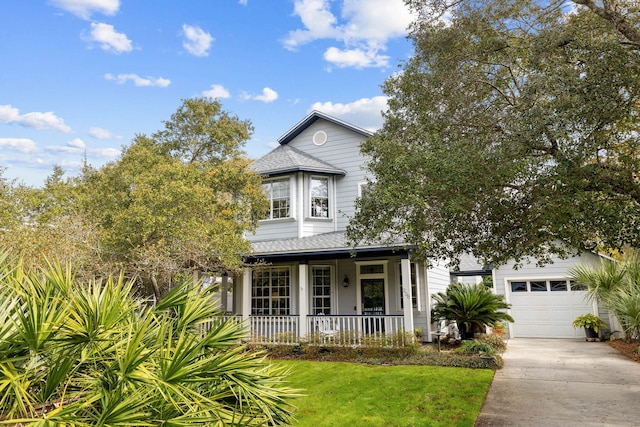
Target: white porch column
<point>303,297</point>
<point>224,290</point>
<point>405,266</point>
<point>246,295</point>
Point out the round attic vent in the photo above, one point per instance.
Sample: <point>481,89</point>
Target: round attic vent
<point>320,137</point>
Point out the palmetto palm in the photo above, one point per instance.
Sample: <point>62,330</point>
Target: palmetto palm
<point>473,307</point>
<point>91,355</point>
<point>615,285</point>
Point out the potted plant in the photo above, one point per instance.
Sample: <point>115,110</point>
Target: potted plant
<point>591,324</point>
<point>498,328</point>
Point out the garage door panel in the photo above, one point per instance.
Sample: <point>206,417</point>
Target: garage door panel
<point>548,314</point>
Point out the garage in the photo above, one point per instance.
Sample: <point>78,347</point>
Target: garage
<point>546,308</point>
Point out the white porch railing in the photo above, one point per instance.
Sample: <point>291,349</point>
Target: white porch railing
<point>274,329</point>
<point>356,330</point>
<point>329,330</point>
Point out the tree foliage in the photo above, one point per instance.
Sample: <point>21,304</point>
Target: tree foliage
<point>176,202</point>
<point>180,201</point>
<point>91,354</point>
<point>511,132</point>
<point>40,224</point>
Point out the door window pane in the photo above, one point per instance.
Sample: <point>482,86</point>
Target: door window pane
<point>538,286</point>
<point>518,286</point>
<point>558,285</point>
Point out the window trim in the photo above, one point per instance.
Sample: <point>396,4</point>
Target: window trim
<point>547,280</point>
<point>414,286</point>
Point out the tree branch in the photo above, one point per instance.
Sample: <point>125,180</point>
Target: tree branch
<point>612,13</point>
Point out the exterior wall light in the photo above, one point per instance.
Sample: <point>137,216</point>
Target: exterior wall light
<point>345,282</point>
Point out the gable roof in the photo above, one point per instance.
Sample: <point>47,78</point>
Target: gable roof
<point>311,118</point>
<point>286,159</point>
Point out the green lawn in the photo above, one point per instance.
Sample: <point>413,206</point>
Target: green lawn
<point>347,394</point>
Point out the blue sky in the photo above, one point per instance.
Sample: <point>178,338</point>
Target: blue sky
<point>83,77</point>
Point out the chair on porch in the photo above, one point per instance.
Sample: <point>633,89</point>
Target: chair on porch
<point>327,326</point>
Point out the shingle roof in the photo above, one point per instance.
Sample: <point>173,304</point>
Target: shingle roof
<point>470,264</point>
<point>325,242</point>
<point>285,159</point>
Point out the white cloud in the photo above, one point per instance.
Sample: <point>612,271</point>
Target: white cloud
<point>108,38</point>
<point>100,133</point>
<point>318,20</point>
<point>22,145</point>
<point>139,81</point>
<point>268,95</point>
<point>84,8</point>
<point>198,42</point>
<point>217,91</point>
<point>106,152</point>
<point>364,27</point>
<point>36,120</point>
<point>356,58</point>
<point>74,146</point>
<point>365,112</point>
<point>77,146</point>
<point>243,2</point>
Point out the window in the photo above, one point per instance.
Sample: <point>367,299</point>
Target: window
<point>541,286</point>
<point>538,286</point>
<point>558,285</point>
<point>271,291</point>
<point>372,269</point>
<point>277,191</point>
<point>575,286</point>
<point>319,197</point>
<point>321,288</point>
<point>414,287</point>
<point>518,286</point>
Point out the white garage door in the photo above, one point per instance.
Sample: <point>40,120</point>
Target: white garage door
<point>546,308</point>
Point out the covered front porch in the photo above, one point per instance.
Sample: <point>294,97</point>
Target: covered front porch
<point>378,296</point>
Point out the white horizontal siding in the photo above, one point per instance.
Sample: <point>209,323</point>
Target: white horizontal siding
<point>342,150</point>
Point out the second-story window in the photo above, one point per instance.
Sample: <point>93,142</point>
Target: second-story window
<point>277,191</point>
<point>319,197</point>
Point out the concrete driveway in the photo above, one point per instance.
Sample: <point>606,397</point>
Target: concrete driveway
<point>563,382</point>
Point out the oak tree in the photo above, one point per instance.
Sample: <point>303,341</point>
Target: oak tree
<point>512,132</point>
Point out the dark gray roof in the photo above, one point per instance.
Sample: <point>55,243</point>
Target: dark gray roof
<point>469,264</point>
<point>319,243</point>
<point>285,159</point>
<point>311,118</point>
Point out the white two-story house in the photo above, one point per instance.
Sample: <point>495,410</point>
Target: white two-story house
<point>306,279</point>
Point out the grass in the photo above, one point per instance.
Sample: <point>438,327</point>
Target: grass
<point>347,394</point>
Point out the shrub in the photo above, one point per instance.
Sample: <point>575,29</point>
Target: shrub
<point>91,354</point>
<point>476,347</point>
<point>494,340</point>
<point>473,307</point>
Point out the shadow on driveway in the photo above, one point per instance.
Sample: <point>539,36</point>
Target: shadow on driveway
<point>563,382</point>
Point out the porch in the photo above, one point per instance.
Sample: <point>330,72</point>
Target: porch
<point>326,330</point>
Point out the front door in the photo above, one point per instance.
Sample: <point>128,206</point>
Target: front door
<point>373,303</point>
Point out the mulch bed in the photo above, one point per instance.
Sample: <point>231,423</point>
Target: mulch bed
<point>627,349</point>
